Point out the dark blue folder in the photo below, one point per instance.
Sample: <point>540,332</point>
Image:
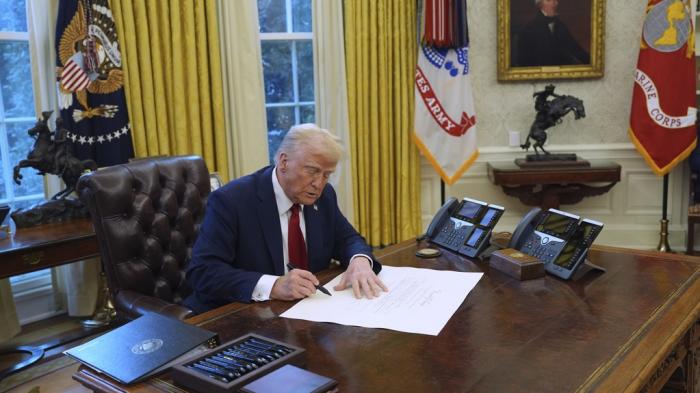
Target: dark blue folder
<point>142,347</point>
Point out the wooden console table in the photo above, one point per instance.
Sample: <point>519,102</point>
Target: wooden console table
<point>552,186</point>
<point>30,249</point>
<point>623,331</point>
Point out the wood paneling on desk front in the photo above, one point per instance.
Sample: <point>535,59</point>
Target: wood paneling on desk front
<point>625,330</point>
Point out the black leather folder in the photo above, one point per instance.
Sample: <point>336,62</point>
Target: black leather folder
<point>143,347</point>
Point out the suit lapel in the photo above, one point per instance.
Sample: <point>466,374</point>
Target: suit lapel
<point>270,220</point>
<point>314,238</point>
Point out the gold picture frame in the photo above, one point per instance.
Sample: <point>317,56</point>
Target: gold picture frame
<point>517,19</point>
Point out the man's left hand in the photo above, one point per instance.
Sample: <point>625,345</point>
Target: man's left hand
<point>361,278</point>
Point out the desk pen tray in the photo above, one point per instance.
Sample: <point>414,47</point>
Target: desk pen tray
<point>234,363</point>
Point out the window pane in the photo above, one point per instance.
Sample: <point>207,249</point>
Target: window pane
<point>301,15</point>
<point>16,79</point>
<point>305,69</point>
<point>13,15</point>
<point>20,144</point>
<point>277,71</point>
<point>279,121</point>
<point>28,276</point>
<point>308,113</point>
<point>272,16</point>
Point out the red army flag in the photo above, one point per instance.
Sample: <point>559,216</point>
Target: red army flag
<point>662,120</point>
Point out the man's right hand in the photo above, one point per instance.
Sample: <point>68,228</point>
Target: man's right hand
<point>296,284</point>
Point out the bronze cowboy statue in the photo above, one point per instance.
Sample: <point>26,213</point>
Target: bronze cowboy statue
<point>53,154</point>
<point>549,114</point>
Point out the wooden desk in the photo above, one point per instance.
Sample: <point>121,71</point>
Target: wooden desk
<point>625,330</point>
<point>36,248</point>
<point>551,186</point>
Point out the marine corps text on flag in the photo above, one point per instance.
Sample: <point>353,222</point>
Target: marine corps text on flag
<point>662,120</point>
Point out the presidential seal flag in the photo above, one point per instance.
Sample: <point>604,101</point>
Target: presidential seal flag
<point>445,130</point>
<point>91,82</point>
<point>662,122</point>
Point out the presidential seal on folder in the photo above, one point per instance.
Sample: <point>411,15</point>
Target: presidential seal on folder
<point>143,347</point>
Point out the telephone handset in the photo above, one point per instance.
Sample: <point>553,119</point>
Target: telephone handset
<point>464,226</point>
<point>559,239</point>
<point>525,226</point>
<point>443,213</point>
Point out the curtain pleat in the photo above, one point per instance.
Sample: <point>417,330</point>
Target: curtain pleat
<point>173,82</point>
<point>243,87</point>
<point>331,92</point>
<point>10,327</point>
<point>380,40</point>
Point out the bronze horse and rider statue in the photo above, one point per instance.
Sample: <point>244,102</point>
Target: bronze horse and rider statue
<point>549,114</point>
<point>52,153</point>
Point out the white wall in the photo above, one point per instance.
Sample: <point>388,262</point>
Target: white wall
<point>632,209</point>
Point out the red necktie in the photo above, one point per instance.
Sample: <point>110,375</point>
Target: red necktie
<point>295,241</point>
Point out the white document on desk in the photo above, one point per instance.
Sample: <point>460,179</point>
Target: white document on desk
<point>418,301</point>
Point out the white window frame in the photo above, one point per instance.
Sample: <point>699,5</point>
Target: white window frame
<point>32,292</point>
<point>11,36</point>
<point>294,37</point>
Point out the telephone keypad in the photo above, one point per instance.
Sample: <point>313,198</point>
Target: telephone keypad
<point>454,234</point>
<point>543,247</point>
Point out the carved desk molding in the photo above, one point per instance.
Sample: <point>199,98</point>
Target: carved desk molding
<point>549,187</point>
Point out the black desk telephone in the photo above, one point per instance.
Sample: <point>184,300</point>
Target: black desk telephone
<point>464,226</point>
<point>559,239</point>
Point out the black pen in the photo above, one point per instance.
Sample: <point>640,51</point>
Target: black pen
<point>319,286</point>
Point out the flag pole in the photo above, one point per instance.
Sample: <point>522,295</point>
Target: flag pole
<point>663,240</point>
<point>442,192</point>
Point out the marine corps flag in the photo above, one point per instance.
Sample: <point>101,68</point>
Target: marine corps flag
<point>445,130</point>
<point>662,123</point>
<point>90,82</point>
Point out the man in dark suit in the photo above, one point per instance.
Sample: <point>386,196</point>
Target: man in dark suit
<point>257,225</point>
<point>546,41</point>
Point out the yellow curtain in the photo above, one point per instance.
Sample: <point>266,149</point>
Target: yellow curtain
<point>173,84</point>
<point>381,48</point>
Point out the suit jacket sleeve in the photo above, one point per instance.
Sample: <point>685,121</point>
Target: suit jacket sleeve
<point>212,273</point>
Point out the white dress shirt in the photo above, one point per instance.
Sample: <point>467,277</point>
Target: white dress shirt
<point>263,288</point>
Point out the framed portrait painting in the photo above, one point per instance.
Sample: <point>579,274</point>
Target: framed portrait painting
<point>550,39</point>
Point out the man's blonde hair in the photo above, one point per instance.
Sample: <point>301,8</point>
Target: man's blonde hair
<point>310,134</point>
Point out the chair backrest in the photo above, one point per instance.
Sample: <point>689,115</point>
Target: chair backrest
<point>147,215</point>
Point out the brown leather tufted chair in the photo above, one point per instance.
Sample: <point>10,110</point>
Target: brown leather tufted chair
<point>146,216</point>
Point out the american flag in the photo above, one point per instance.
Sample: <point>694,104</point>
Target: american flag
<point>73,77</point>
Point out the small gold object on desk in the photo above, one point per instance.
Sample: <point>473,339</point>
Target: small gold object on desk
<point>428,253</point>
<point>517,264</point>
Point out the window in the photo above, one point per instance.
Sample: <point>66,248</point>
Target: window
<point>16,117</point>
<point>286,43</point>
<point>16,106</point>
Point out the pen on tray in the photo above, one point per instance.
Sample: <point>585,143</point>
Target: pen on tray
<point>319,287</point>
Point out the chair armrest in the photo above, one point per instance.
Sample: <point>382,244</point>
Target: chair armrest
<point>133,305</point>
